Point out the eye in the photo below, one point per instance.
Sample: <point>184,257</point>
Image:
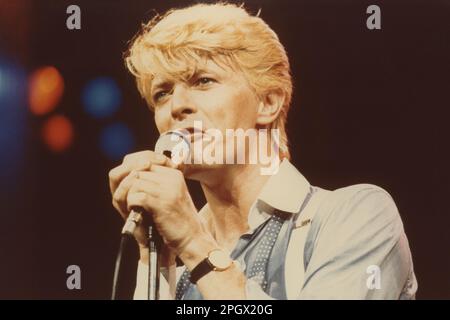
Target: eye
<point>159,95</point>
<point>204,81</point>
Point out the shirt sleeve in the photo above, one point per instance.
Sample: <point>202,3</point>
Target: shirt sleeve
<point>360,250</point>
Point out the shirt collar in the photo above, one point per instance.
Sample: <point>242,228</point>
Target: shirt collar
<point>284,191</point>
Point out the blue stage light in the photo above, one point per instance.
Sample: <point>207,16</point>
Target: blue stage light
<point>116,141</point>
<point>101,97</point>
<point>13,125</point>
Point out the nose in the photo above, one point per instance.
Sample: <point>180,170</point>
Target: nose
<point>182,104</point>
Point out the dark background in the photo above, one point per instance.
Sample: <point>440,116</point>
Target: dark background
<point>368,107</point>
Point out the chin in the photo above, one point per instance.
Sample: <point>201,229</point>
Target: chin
<point>200,172</point>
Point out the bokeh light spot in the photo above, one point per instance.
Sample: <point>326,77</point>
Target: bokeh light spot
<point>101,97</point>
<point>57,133</point>
<point>116,141</point>
<point>13,121</point>
<point>46,90</point>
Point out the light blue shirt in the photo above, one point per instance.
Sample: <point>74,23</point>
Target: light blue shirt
<point>346,244</point>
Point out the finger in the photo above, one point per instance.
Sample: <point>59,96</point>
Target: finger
<point>169,163</point>
<point>120,195</point>
<point>139,199</point>
<point>163,169</point>
<point>164,173</point>
<point>158,173</point>
<point>149,187</point>
<point>146,155</point>
<point>135,161</point>
<point>151,176</point>
<point>117,174</point>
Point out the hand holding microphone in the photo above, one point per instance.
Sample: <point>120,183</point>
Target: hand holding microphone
<point>123,177</point>
<point>166,145</point>
<point>149,182</point>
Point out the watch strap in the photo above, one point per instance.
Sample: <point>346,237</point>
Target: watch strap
<point>202,269</point>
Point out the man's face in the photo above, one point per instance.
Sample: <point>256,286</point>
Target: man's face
<point>217,96</point>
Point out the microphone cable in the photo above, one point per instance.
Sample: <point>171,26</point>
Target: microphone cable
<point>133,220</point>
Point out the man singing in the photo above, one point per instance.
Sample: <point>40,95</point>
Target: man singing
<point>260,236</point>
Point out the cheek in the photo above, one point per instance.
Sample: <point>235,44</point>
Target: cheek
<point>244,109</point>
<point>236,110</point>
<point>162,121</point>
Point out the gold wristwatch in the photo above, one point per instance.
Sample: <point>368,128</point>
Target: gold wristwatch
<point>217,260</point>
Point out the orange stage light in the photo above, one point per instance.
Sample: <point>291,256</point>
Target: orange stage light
<point>57,133</point>
<point>46,90</point>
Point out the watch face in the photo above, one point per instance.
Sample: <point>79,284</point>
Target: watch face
<point>220,260</point>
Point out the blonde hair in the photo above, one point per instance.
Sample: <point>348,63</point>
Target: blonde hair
<point>175,43</point>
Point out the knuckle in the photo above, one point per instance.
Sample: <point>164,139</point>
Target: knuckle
<point>117,197</point>
<point>112,174</point>
<point>131,157</point>
<point>117,207</point>
<point>142,175</point>
<point>147,153</point>
<point>128,180</point>
<point>155,158</point>
<point>126,158</point>
<point>143,159</point>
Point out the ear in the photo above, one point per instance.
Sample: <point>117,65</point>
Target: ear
<point>270,107</point>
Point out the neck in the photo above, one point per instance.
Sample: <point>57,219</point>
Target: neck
<point>229,198</point>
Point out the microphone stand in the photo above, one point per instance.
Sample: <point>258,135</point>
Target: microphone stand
<point>137,216</point>
<point>164,145</point>
<point>154,264</point>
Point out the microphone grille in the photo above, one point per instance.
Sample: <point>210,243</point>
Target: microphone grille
<point>171,144</point>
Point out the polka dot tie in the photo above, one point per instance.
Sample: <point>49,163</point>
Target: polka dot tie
<point>257,271</point>
<point>183,285</point>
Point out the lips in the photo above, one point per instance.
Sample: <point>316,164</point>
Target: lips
<point>193,130</point>
<point>191,133</point>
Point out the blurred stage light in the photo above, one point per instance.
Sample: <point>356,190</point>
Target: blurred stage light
<point>101,97</point>
<point>116,141</point>
<point>13,124</point>
<point>57,133</point>
<point>46,90</point>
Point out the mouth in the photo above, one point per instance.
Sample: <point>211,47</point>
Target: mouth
<point>191,133</point>
<point>193,130</point>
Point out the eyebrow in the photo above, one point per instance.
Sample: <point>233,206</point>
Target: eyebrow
<point>159,85</point>
<point>166,83</point>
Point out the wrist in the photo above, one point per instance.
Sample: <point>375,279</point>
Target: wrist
<point>197,249</point>
<point>217,260</point>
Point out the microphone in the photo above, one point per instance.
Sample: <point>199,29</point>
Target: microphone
<point>174,145</point>
<point>169,144</point>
